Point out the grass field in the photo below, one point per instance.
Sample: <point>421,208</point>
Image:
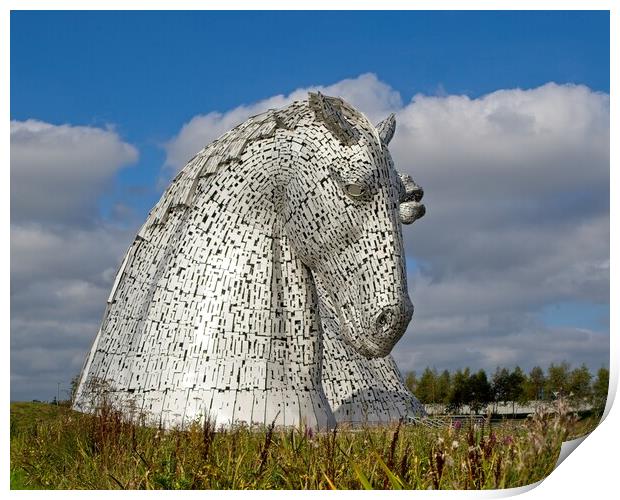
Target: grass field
<point>53,447</point>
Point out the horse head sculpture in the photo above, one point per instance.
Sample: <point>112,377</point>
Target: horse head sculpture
<point>342,216</point>
<point>216,309</point>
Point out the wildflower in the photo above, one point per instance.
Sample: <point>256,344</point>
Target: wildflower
<point>457,425</point>
<point>455,444</point>
<point>508,441</point>
<point>440,440</point>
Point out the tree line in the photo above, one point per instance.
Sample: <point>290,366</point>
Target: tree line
<point>477,391</point>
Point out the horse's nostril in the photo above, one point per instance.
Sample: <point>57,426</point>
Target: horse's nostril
<point>384,320</point>
<point>381,320</point>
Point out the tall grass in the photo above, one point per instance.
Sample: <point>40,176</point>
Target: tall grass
<point>69,450</point>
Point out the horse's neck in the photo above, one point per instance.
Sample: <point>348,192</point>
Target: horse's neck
<point>359,389</point>
<point>259,305</point>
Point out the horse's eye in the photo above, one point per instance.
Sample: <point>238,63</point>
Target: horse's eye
<point>355,191</point>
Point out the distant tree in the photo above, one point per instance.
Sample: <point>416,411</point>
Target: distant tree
<point>500,385</point>
<point>426,390</point>
<point>579,388</point>
<point>600,388</point>
<point>515,391</point>
<point>478,394</point>
<point>535,384</point>
<point>443,387</point>
<point>411,381</point>
<point>459,393</point>
<point>558,380</point>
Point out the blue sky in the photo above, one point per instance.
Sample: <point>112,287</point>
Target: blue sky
<point>99,67</point>
<point>149,72</point>
<point>146,86</point>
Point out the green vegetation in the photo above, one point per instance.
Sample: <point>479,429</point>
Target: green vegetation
<point>455,390</point>
<point>54,447</point>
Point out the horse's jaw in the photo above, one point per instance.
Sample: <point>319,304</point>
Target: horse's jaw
<point>356,327</point>
<point>360,390</point>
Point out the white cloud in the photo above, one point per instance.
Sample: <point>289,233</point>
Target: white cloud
<point>63,255</point>
<point>515,143</point>
<point>59,171</point>
<point>68,253</point>
<point>517,192</point>
<point>60,280</point>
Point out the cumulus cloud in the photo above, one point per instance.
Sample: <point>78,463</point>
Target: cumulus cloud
<point>58,171</point>
<point>63,255</point>
<point>517,191</point>
<point>58,294</point>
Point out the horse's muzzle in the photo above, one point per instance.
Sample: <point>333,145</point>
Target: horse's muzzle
<point>389,326</point>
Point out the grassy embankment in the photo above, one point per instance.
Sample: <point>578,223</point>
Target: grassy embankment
<point>54,447</point>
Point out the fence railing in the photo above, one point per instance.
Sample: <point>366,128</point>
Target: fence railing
<point>506,408</point>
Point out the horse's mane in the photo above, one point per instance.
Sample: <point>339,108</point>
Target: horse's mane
<point>230,146</point>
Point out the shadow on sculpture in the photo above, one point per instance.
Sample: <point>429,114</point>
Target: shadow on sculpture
<point>268,284</point>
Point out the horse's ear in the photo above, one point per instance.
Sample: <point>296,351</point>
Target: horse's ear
<point>386,128</point>
<point>411,194</point>
<point>328,110</point>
